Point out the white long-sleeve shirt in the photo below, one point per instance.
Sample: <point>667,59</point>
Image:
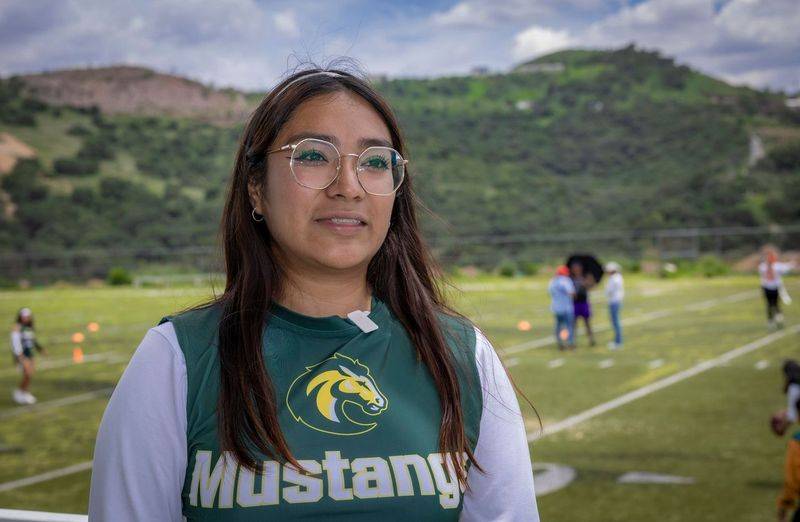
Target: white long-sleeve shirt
<point>792,396</point>
<point>778,270</point>
<point>16,342</point>
<point>615,288</point>
<point>140,455</point>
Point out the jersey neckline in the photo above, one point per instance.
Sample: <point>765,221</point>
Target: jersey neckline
<point>328,325</point>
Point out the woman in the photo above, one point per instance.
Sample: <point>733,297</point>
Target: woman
<point>562,292</point>
<point>330,371</point>
<point>582,307</point>
<point>771,272</point>
<point>615,293</point>
<point>23,342</point>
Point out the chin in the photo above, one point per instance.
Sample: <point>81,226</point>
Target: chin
<point>342,259</point>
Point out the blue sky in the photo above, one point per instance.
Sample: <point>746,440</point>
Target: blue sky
<point>250,44</point>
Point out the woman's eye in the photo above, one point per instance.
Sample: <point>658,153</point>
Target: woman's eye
<point>376,162</point>
<point>311,155</point>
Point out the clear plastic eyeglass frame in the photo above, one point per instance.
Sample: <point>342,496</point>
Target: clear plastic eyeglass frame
<point>293,146</point>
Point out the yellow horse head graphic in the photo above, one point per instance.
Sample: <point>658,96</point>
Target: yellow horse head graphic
<point>333,384</point>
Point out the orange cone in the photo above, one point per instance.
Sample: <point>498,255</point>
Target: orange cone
<point>77,355</point>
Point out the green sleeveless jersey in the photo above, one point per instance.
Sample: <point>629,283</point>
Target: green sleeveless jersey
<point>357,410</point>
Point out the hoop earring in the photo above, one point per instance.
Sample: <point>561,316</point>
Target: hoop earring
<point>253,213</point>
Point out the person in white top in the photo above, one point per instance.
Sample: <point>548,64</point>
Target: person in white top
<point>23,343</point>
<point>615,292</point>
<point>771,271</point>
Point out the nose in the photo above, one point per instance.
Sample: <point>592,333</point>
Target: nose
<point>346,183</point>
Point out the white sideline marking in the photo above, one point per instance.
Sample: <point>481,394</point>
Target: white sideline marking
<point>762,365</point>
<point>513,361</point>
<point>545,341</point>
<point>551,477</point>
<point>16,515</point>
<point>605,363</point>
<point>675,378</point>
<point>56,403</point>
<point>656,363</point>
<point>555,363</point>
<point>645,477</point>
<point>50,475</point>
<point>109,357</point>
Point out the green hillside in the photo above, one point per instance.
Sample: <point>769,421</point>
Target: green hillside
<point>577,140</point>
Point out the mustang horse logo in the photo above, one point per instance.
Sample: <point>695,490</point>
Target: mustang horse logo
<point>333,384</point>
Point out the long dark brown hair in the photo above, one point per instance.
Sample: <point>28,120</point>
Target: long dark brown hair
<point>403,274</point>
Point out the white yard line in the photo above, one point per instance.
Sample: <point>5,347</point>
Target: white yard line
<point>52,364</point>
<point>16,515</point>
<point>644,318</point>
<point>43,477</point>
<point>56,403</point>
<point>675,378</point>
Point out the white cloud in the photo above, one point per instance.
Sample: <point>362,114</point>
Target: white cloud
<point>760,78</point>
<point>502,14</point>
<point>535,41</point>
<point>478,14</point>
<point>250,43</point>
<point>747,41</point>
<point>673,24</point>
<point>286,22</point>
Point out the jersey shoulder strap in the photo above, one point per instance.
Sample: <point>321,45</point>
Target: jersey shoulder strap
<point>197,331</point>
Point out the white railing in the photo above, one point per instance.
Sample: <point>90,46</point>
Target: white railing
<point>14,515</point>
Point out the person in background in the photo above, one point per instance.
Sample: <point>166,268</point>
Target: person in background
<point>562,291</point>
<point>581,306</point>
<point>615,292</point>
<point>781,421</point>
<point>770,271</point>
<point>23,342</point>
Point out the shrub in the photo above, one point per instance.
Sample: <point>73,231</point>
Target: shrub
<point>786,156</point>
<point>78,130</point>
<point>119,276</point>
<point>507,269</point>
<point>76,166</point>
<point>631,266</point>
<point>528,268</point>
<point>711,266</point>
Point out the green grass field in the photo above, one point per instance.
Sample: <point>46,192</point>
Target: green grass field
<point>711,427</point>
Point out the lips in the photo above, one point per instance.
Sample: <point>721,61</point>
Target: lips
<point>344,218</point>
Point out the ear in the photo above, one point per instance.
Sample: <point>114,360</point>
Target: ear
<point>254,192</point>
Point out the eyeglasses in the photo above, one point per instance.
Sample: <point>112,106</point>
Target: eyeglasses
<point>316,164</point>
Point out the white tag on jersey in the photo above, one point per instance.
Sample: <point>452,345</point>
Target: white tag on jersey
<point>362,321</point>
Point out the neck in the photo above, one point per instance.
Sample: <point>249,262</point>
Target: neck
<point>323,295</point>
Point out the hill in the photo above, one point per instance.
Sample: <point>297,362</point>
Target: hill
<point>573,141</point>
<point>137,90</point>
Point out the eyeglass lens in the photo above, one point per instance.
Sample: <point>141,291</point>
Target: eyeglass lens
<point>379,169</point>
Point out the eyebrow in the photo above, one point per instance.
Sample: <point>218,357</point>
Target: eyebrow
<point>363,142</point>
